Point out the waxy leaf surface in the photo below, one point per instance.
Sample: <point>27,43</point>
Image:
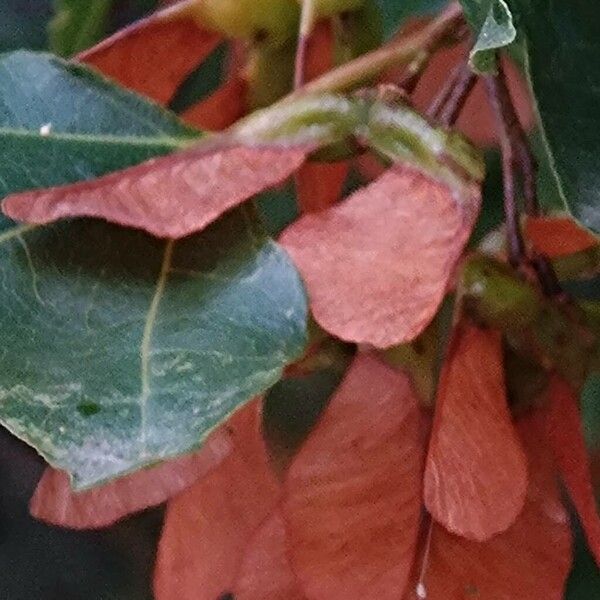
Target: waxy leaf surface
<point>168,197</point>
<point>209,529</point>
<point>55,501</point>
<point>154,55</point>
<point>377,265</point>
<point>352,500</point>
<point>562,42</point>
<point>476,471</point>
<point>529,561</point>
<point>265,573</point>
<point>492,23</point>
<point>92,126</point>
<point>121,350</point>
<point>565,432</point>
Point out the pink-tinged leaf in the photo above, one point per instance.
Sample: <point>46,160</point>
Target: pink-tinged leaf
<point>352,496</point>
<point>320,185</point>
<point>558,236</point>
<point>476,470</point>
<point>209,527</point>
<point>377,265</point>
<point>476,120</point>
<point>566,438</point>
<point>266,573</point>
<point>168,197</point>
<point>54,501</point>
<point>154,55</point>
<point>529,561</point>
<point>221,109</point>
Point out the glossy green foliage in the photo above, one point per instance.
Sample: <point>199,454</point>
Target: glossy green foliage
<point>560,50</point>
<point>122,350</point>
<point>73,125</point>
<point>492,23</point>
<point>78,24</point>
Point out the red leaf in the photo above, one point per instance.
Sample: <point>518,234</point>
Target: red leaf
<point>55,502</point>
<point>377,265</point>
<point>566,438</point>
<point>154,55</point>
<point>320,50</point>
<point>169,197</point>
<point>221,109</point>
<point>558,236</point>
<point>265,573</point>
<point>208,528</point>
<point>353,493</point>
<point>476,120</point>
<point>319,185</point>
<point>476,471</point>
<point>530,561</point>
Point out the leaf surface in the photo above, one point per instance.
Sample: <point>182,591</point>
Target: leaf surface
<point>121,350</point>
<point>558,236</point>
<point>565,433</point>
<point>265,572</point>
<point>377,265</point>
<point>476,471</point>
<point>77,24</point>
<point>492,23</point>
<point>562,40</point>
<point>476,120</point>
<point>209,529</point>
<point>156,54</point>
<point>352,500</point>
<point>168,197</point>
<point>55,502</point>
<point>529,561</point>
<point>221,108</point>
<point>91,126</point>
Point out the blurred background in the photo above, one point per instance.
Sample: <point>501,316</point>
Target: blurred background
<point>38,562</point>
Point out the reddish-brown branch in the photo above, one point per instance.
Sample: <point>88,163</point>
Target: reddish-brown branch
<point>498,101</point>
<point>524,160</point>
<point>451,99</point>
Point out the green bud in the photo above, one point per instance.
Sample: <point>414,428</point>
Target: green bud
<point>494,296</point>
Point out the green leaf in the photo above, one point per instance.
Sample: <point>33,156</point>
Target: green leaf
<point>492,23</point>
<point>23,24</point>
<point>120,350</point>
<point>93,126</point>
<point>78,24</point>
<point>396,12</point>
<point>561,49</point>
<point>205,80</point>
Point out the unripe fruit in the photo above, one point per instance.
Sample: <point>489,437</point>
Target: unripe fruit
<point>271,21</point>
<point>494,296</point>
<point>270,73</point>
<point>329,8</point>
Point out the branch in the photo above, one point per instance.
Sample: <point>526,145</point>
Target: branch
<point>450,101</point>
<point>404,51</point>
<point>502,112</point>
<point>307,22</point>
